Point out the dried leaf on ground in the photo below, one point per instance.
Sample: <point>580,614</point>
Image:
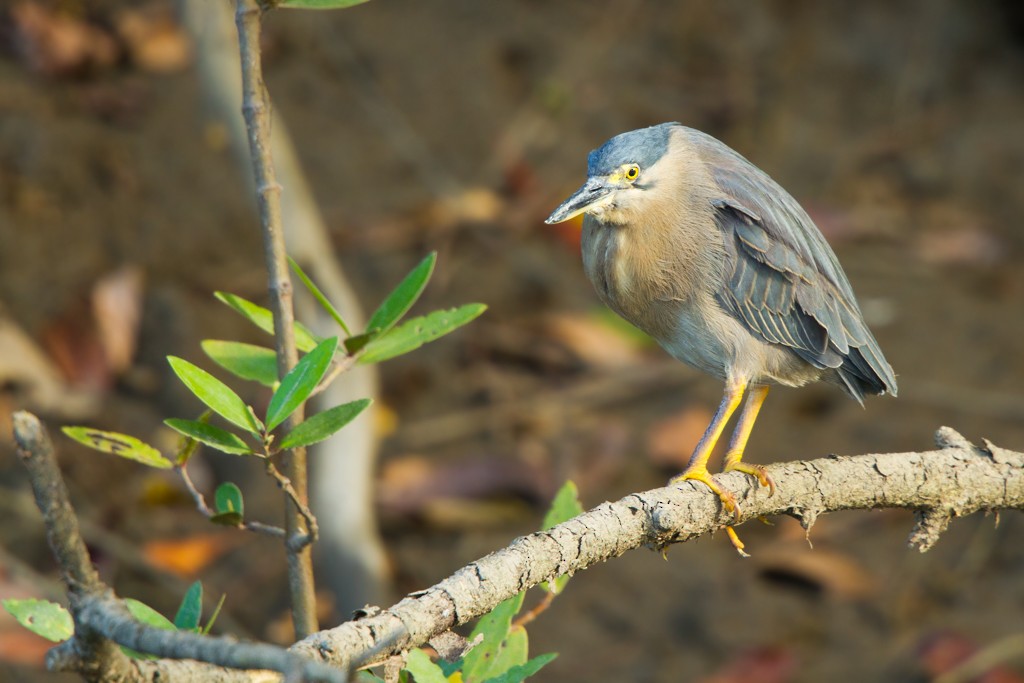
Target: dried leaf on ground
<point>155,42</point>
<point>117,307</point>
<point>671,440</point>
<point>594,341</point>
<point>825,571</point>
<point>767,664</point>
<point>942,652</point>
<point>415,485</point>
<point>186,557</point>
<point>57,44</point>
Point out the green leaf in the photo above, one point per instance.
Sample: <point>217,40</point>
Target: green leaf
<point>191,609</point>
<point>248,361</point>
<point>401,299</point>
<point>354,345</point>
<point>262,318</point>
<point>367,677</point>
<point>324,424</point>
<point>494,628</point>
<point>425,671</point>
<point>188,445</point>
<point>228,498</point>
<point>215,437</point>
<point>300,382</point>
<point>215,394</point>
<point>416,332</point>
<point>147,615</point>
<point>227,519</point>
<point>513,651</point>
<point>42,617</point>
<point>119,444</point>
<point>517,674</point>
<point>320,4</point>
<point>564,507</point>
<point>216,613</point>
<point>319,296</point>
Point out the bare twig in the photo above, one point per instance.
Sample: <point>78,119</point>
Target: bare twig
<point>336,370</point>
<point>256,109</point>
<point>535,611</point>
<point>293,496</point>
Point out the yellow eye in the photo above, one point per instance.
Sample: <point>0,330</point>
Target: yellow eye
<point>632,172</point>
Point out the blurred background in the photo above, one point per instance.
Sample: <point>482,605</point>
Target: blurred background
<point>457,126</point>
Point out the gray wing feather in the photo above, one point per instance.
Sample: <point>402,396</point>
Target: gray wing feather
<point>783,280</point>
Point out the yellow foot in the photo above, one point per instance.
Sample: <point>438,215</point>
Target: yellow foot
<point>701,474</point>
<point>736,542</point>
<point>756,471</point>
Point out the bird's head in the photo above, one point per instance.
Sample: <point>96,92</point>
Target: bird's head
<point>620,173</point>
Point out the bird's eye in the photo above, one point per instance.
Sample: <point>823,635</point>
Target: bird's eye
<point>632,172</point>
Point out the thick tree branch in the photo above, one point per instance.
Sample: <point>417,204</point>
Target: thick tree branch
<point>256,110</point>
<point>954,481</point>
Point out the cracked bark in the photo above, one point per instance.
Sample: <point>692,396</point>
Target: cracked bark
<point>956,480</point>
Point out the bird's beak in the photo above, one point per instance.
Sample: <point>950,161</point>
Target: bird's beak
<point>595,193</point>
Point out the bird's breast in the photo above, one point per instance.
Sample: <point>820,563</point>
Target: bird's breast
<point>630,278</point>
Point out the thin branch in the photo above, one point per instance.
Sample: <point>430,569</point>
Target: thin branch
<point>102,620</point>
<point>338,368</point>
<point>99,659</point>
<point>537,610</point>
<point>256,109</point>
<point>286,485</point>
<point>956,480</point>
<point>204,509</point>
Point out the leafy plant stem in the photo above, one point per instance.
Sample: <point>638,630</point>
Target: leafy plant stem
<point>299,521</point>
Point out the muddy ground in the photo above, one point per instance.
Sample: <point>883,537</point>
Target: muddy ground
<point>899,126</point>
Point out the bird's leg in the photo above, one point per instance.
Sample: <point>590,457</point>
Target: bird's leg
<point>697,470</point>
<point>741,435</point>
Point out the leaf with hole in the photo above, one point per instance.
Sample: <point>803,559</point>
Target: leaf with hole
<point>248,361</point>
<point>300,382</point>
<point>402,297</point>
<point>319,296</point>
<point>324,424</point>
<point>216,395</point>
<point>119,444</point>
<point>214,437</point>
<point>42,617</point>
<point>416,332</point>
<point>191,609</point>
<point>262,318</point>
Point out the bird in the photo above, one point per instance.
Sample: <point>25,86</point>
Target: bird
<point>692,243</point>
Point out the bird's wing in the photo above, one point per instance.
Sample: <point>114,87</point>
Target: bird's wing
<point>784,281</point>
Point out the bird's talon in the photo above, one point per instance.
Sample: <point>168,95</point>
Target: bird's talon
<point>756,471</point>
<point>736,542</point>
<point>729,503</point>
